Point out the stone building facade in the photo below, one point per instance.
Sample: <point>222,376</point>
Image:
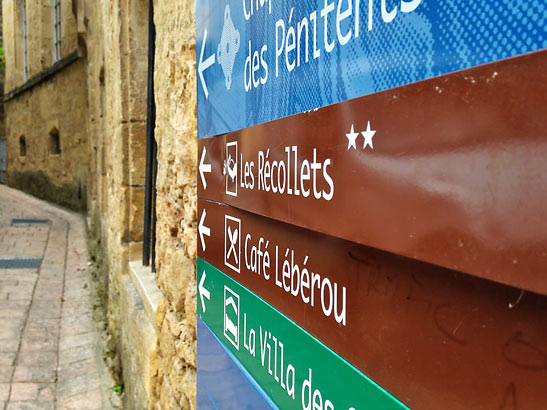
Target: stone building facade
<point>46,131</point>
<point>95,98</point>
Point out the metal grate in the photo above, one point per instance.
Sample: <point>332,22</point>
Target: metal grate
<point>23,263</point>
<point>29,221</point>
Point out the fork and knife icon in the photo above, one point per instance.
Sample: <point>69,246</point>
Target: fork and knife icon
<point>233,236</point>
<point>232,242</point>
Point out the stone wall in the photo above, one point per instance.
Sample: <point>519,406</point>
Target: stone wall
<point>103,95</point>
<point>37,113</point>
<point>116,38</point>
<point>117,44</point>
<point>176,135</point>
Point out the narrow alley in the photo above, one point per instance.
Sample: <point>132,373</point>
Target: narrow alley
<point>50,354</point>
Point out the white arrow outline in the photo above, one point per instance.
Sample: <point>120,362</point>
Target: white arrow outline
<point>204,65</point>
<point>203,293</point>
<point>203,230</point>
<point>203,168</point>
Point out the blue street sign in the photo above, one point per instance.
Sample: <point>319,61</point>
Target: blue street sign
<point>259,60</point>
<point>222,382</point>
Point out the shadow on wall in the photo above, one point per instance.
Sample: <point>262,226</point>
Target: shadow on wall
<point>38,184</point>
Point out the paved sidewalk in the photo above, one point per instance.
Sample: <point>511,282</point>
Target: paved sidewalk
<point>49,346</point>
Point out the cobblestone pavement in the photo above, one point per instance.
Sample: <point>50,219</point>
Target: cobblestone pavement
<point>49,345</point>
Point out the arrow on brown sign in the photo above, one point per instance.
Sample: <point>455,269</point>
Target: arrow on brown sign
<point>203,230</point>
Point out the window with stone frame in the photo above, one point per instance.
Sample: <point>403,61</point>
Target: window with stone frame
<point>22,146</point>
<point>54,142</point>
<point>56,21</point>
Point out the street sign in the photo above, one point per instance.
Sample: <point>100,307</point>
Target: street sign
<point>389,317</point>
<point>410,171</point>
<point>371,186</point>
<point>293,368</point>
<point>222,381</point>
<point>259,60</point>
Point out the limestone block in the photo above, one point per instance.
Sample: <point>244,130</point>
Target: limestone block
<point>135,251</point>
<point>136,214</point>
<point>186,344</point>
<point>189,386</point>
<point>175,281</point>
<point>166,341</point>
<point>191,303</point>
<point>137,153</point>
<point>188,235</point>
<point>138,347</point>
<point>176,206</point>
<point>179,16</point>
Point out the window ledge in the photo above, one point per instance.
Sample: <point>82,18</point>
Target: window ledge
<point>42,75</point>
<point>144,281</point>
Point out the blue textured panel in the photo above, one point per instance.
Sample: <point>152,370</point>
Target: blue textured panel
<point>434,38</point>
<point>23,263</point>
<point>221,382</point>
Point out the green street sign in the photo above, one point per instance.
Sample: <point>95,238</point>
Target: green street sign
<point>292,367</point>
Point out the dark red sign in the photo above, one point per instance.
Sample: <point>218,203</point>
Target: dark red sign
<point>433,337</point>
<point>451,171</point>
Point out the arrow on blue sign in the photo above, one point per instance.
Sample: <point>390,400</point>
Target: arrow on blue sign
<point>204,65</point>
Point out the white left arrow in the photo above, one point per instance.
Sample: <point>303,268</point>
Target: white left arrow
<point>203,168</point>
<point>203,293</point>
<point>204,65</point>
<point>203,230</point>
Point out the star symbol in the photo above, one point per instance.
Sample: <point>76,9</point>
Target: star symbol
<point>368,134</point>
<point>352,136</point>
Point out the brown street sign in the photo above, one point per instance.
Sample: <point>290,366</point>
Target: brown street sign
<point>428,335</point>
<point>450,170</point>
